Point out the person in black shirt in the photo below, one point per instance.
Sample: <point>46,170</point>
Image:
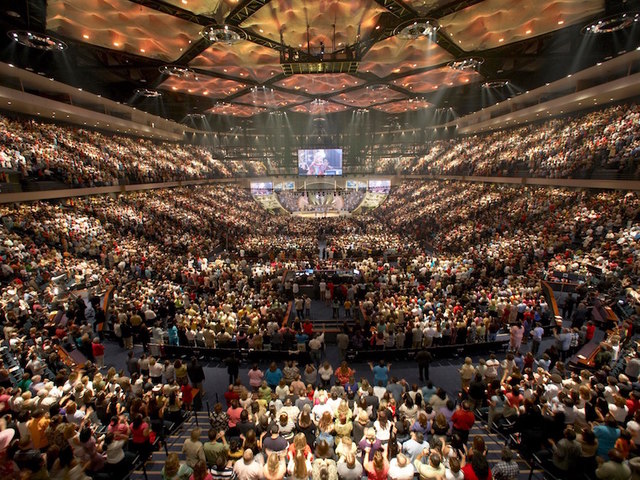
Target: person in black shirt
<point>273,441</point>
<point>196,375</point>
<point>477,392</point>
<point>423,357</point>
<point>233,368</point>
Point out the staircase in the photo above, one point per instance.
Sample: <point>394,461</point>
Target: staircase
<point>493,441</point>
<point>153,468</point>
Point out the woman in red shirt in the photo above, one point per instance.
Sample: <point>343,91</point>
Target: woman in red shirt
<point>234,412</point>
<point>377,468</point>
<point>140,436</point>
<point>477,469</point>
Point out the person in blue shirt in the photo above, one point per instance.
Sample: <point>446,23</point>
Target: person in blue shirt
<point>380,372</point>
<point>273,375</point>
<point>173,335</point>
<point>607,434</point>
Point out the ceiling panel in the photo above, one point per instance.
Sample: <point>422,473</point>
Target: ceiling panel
<point>368,96</point>
<point>395,55</point>
<point>319,84</point>
<point>410,105</point>
<point>204,86</point>
<point>494,23</point>
<point>205,7</point>
<point>270,98</point>
<point>291,17</point>
<point>423,7</point>
<point>433,80</point>
<point>122,25</point>
<point>235,110</point>
<point>313,108</point>
<point>243,60</point>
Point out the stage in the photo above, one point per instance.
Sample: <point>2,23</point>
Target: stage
<point>329,214</point>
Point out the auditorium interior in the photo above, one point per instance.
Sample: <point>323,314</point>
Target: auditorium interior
<point>320,239</point>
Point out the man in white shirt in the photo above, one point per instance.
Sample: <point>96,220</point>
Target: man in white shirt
<point>248,468</point>
<point>536,336</point>
<point>400,468</point>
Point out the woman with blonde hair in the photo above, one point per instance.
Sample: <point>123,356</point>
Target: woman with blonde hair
<point>299,467</point>
<point>193,448</point>
<point>325,428</point>
<point>274,468</point>
<point>299,444</point>
<point>343,409</point>
<point>343,427</point>
<point>345,447</point>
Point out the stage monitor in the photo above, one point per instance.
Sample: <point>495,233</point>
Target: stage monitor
<point>320,162</point>
<point>379,186</point>
<point>261,188</point>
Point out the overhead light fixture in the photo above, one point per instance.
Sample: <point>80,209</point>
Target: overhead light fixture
<point>495,84</point>
<point>466,64</point>
<point>414,29</point>
<point>37,40</point>
<point>177,71</point>
<point>223,34</point>
<point>195,116</point>
<point>378,87</point>
<point>611,24</point>
<point>319,102</point>
<point>148,93</point>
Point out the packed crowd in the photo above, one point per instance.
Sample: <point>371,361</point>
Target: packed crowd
<point>85,158</point>
<point>572,146</point>
<point>205,266</point>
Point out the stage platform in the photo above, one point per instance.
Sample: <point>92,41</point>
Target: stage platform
<point>329,214</point>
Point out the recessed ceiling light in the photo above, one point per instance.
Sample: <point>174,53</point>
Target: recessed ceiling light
<point>560,22</point>
<point>501,40</point>
<point>85,36</point>
<point>528,32</point>
<point>116,44</point>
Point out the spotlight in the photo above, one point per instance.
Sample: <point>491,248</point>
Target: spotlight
<point>415,29</point>
<point>37,40</point>
<point>148,93</point>
<point>223,34</point>
<point>319,102</point>
<point>466,64</point>
<point>177,71</point>
<point>611,24</point>
<point>495,84</point>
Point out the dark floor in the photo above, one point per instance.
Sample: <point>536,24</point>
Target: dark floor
<point>443,372</point>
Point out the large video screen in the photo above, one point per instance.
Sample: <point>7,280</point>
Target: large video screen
<point>262,188</point>
<point>320,161</point>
